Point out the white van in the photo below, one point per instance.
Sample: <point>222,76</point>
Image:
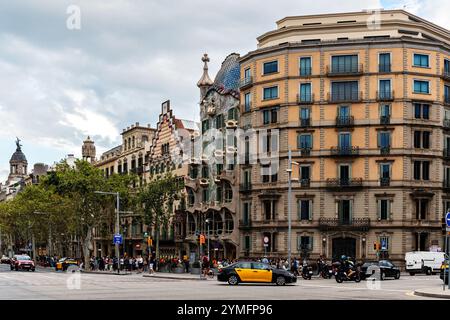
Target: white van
<point>424,262</point>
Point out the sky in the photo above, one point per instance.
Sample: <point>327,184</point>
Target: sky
<point>61,81</point>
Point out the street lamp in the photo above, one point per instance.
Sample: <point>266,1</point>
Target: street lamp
<point>207,226</point>
<point>117,223</point>
<point>289,170</point>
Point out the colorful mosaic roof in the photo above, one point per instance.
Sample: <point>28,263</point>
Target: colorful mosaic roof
<point>227,79</point>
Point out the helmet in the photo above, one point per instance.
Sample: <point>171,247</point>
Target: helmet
<point>344,257</point>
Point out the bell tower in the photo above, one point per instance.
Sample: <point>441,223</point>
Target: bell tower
<point>88,150</point>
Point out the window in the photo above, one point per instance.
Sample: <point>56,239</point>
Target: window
<point>304,141</point>
<point>193,172</point>
<point>384,209</point>
<point>384,139</point>
<point>247,74</point>
<point>270,93</point>
<point>205,195</point>
<point>246,214</point>
<point>421,209</point>
<point>270,67</point>
<point>269,209</point>
<point>384,241</point>
<point>247,243</point>
<point>305,92</point>
<point>305,66</point>
<point>347,63</point>
<point>421,111</point>
<point>447,67</point>
<point>422,139</point>
<point>385,171</point>
<point>385,89</point>
<point>421,60</point>
<point>344,113</point>
<point>344,90</point>
<point>233,114</point>
<point>447,94</point>
<point>191,197</point>
<point>247,102</point>
<point>385,110</point>
<point>305,243</point>
<point>305,113</point>
<point>269,174</point>
<point>421,170</point>
<point>305,173</point>
<point>228,193</point>
<point>220,122</point>
<point>205,125</point>
<point>421,86</point>
<point>270,116</point>
<point>345,140</point>
<point>305,209</point>
<point>205,172</point>
<point>384,62</point>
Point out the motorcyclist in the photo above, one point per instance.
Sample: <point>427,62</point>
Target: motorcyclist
<point>348,266</point>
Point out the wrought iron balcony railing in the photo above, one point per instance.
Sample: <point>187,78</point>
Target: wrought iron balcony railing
<point>305,151</point>
<point>385,120</point>
<point>305,183</point>
<point>345,183</point>
<point>340,69</point>
<point>446,74</point>
<point>305,72</point>
<point>345,151</point>
<point>248,81</point>
<point>385,95</point>
<point>447,124</point>
<point>305,98</point>
<point>384,67</point>
<point>385,182</point>
<point>245,187</point>
<point>385,151</point>
<point>304,123</point>
<point>446,153</point>
<point>338,97</point>
<point>361,224</point>
<point>347,121</point>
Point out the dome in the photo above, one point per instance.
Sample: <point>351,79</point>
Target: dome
<point>18,156</point>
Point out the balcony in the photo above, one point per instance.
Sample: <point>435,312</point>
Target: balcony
<point>339,70</point>
<point>446,185</point>
<point>305,72</point>
<point>245,224</point>
<point>245,187</point>
<point>305,183</point>
<point>446,74</point>
<point>446,154</point>
<point>336,224</point>
<point>305,98</point>
<point>340,97</point>
<point>385,151</point>
<point>246,82</point>
<point>385,120</point>
<point>305,152</point>
<point>385,182</point>
<point>344,183</point>
<point>344,151</point>
<point>345,121</point>
<point>305,123</point>
<point>446,124</point>
<point>447,99</point>
<point>384,68</point>
<point>385,95</point>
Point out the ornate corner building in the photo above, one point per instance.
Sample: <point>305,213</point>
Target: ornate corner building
<point>363,102</point>
<point>212,184</point>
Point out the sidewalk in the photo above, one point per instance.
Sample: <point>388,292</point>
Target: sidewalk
<point>176,276</point>
<point>436,292</point>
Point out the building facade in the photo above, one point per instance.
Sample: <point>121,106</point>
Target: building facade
<point>364,108</point>
<point>212,185</point>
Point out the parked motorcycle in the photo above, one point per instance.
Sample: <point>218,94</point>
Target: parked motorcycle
<point>326,271</point>
<point>307,272</point>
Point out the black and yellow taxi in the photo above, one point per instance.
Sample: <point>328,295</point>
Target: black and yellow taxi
<point>444,271</point>
<point>254,272</point>
<point>64,263</point>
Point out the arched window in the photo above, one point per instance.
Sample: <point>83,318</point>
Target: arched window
<point>191,225</point>
<point>129,143</point>
<point>229,222</point>
<point>191,197</point>
<point>133,142</point>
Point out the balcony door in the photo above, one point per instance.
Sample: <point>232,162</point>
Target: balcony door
<point>345,212</point>
<point>345,141</point>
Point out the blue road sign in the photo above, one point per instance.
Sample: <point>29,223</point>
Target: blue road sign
<point>447,219</point>
<point>117,239</point>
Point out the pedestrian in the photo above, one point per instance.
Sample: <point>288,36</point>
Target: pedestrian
<point>150,266</point>
<point>186,265</point>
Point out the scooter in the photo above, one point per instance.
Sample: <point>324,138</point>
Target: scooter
<point>326,271</point>
<point>307,272</point>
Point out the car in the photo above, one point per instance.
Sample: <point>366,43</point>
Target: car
<point>427,262</point>
<point>22,262</point>
<point>64,263</point>
<point>5,260</point>
<point>254,272</point>
<point>444,271</point>
<point>386,269</point>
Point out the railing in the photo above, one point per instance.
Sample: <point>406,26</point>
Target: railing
<point>446,74</point>
<point>245,187</point>
<point>305,72</point>
<point>385,67</point>
<point>446,123</point>
<point>246,82</point>
<point>344,151</point>
<point>362,224</point>
<point>245,223</point>
<point>447,99</point>
<point>344,69</point>
<point>446,153</point>
<point>385,95</point>
<point>446,185</point>
<point>354,96</point>
<point>385,182</point>
<point>305,183</point>
<point>385,151</point>
<point>385,120</point>
<point>344,183</point>
<point>345,121</point>
<point>305,152</point>
<point>305,98</point>
<point>305,122</point>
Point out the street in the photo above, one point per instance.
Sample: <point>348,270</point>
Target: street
<point>45,284</point>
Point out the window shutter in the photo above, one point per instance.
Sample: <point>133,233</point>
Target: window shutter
<point>379,210</point>
<point>311,243</point>
<point>298,243</point>
<point>310,210</point>
<point>391,202</point>
<point>379,139</point>
<point>299,209</point>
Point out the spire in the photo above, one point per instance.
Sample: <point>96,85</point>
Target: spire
<point>205,80</point>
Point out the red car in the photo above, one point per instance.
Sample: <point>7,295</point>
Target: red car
<point>22,262</point>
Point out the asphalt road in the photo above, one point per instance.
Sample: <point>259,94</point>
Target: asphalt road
<point>45,284</point>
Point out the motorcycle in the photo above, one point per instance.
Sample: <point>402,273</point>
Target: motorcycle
<point>341,275</point>
<point>307,272</point>
<point>326,271</point>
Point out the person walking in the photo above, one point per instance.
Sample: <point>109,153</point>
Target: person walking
<point>150,266</point>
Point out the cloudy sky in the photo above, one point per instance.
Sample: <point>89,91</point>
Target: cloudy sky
<point>58,85</point>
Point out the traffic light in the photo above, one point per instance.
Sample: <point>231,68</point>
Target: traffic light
<point>202,239</point>
<point>376,246</point>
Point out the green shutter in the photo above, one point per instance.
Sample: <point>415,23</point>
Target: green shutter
<point>310,209</point>
<point>311,243</point>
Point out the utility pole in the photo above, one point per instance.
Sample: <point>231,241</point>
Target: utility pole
<point>289,170</point>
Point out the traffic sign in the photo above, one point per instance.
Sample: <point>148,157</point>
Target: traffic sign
<point>266,239</point>
<point>447,221</point>
<point>117,239</point>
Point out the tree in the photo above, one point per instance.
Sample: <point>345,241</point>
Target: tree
<point>156,200</point>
